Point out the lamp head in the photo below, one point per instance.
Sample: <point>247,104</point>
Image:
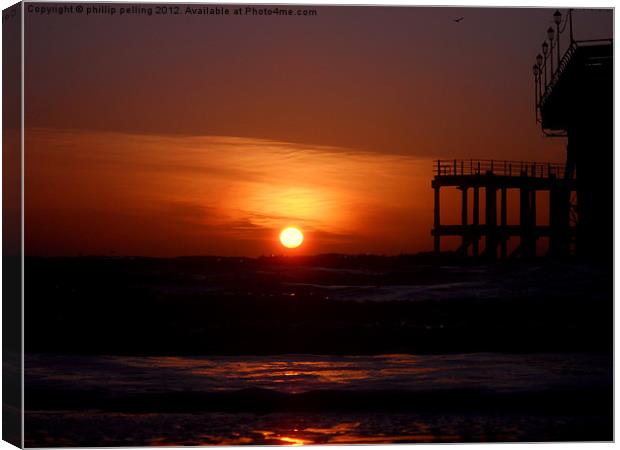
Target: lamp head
<point>539,60</point>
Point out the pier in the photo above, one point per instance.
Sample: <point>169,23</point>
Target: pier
<point>494,179</point>
<point>573,92</point>
<point>573,95</point>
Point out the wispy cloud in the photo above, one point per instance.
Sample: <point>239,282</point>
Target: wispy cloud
<point>220,194</point>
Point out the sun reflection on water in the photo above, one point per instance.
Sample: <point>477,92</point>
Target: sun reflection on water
<point>295,442</point>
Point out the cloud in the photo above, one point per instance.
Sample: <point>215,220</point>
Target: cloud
<point>215,194</point>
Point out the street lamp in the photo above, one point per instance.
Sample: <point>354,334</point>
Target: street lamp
<point>550,36</point>
<point>539,60</point>
<point>536,86</point>
<point>557,18</point>
<point>545,50</point>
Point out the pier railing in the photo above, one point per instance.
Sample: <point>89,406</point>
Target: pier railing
<point>545,84</point>
<point>558,52</point>
<point>461,167</point>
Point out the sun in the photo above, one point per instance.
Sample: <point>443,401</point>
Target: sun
<point>291,237</point>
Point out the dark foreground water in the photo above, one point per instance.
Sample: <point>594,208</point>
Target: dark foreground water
<point>514,351</point>
<point>302,399</point>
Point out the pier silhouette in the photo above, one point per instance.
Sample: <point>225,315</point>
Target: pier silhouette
<point>573,91</point>
<point>500,176</point>
<point>574,99</point>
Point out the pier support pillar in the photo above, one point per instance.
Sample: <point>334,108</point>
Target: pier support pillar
<point>464,213</point>
<point>526,218</point>
<point>437,221</point>
<point>491,222</point>
<point>476,221</point>
<point>503,221</point>
<point>559,221</point>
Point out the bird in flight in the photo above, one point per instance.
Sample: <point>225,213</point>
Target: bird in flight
<point>458,20</point>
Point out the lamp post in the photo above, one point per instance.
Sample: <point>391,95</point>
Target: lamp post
<point>539,60</point>
<point>550,36</point>
<point>545,50</point>
<point>536,89</point>
<point>570,25</point>
<point>557,18</point>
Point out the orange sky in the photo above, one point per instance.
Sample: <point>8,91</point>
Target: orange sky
<point>101,192</point>
<point>153,135</point>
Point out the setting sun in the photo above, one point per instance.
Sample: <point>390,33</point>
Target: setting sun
<point>291,237</point>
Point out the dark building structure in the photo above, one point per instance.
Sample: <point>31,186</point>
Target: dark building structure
<point>574,100</point>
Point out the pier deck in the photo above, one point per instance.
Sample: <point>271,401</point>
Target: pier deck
<point>493,176</point>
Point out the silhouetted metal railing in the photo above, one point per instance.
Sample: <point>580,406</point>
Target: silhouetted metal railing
<point>551,63</point>
<point>468,167</point>
<point>544,89</point>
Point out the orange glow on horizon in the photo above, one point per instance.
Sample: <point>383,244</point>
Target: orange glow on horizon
<point>295,442</point>
<point>218,196</point>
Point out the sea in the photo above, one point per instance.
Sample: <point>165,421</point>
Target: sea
<point>316,399</point>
